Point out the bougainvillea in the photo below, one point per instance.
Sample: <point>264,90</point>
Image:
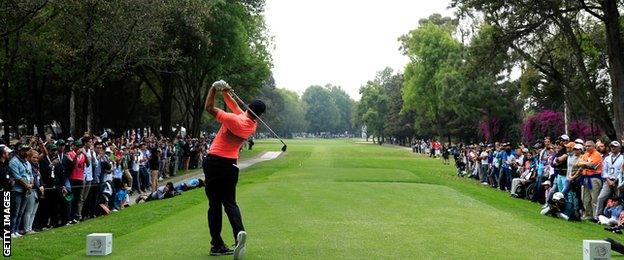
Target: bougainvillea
<point>582,129</point>
<point>489,127</point>
<point>551,123</point>
<point>540,125</point>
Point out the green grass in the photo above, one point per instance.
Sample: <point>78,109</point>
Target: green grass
<point>334,199</point>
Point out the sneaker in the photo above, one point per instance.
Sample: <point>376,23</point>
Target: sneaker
<point>222,250</point>
<point>239,250</point>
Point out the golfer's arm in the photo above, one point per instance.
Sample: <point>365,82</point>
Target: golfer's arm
<point>231,103</point>
<point>210,101</point>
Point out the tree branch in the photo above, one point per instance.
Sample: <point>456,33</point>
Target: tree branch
<point>27,18</point>
<point>590,11</point>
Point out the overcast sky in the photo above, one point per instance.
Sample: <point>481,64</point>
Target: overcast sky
<point>341,42</point>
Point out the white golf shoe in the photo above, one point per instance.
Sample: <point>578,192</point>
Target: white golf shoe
<point>239,250</point>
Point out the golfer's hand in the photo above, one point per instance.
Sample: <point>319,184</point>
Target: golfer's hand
<point>220,85</point>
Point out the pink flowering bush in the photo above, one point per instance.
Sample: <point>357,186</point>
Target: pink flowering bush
<point>542,124</point>
<point>489,128</point>
<point>582,129</point>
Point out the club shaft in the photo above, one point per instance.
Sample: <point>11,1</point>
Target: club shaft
<point>247,108</point>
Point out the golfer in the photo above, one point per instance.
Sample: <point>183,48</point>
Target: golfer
<point>220,167</point>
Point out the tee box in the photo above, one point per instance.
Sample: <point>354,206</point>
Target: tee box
<point>99,244</point>
<point>596,250</point>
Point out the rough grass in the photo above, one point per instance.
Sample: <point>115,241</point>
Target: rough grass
<point>334,199</point>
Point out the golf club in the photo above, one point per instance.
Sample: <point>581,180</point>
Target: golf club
<point>265,124</point>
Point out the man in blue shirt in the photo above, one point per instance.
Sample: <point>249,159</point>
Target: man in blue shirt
<point>22,174</point>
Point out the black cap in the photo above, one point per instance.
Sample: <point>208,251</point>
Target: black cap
<point>258,107</point>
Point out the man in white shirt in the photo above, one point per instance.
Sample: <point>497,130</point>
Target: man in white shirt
<point>483,173</point>
<point>612,175</point>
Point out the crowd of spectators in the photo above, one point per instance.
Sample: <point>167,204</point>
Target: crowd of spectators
<point>572,179</point>
<point>62,182</point>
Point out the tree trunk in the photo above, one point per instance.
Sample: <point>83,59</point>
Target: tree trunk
<point>38,99</point>
<point>196,121</point>
<point>72,112</point>
<point>90,118</point>
<point>616,63</point>
<point>165,105</point>
<point>600,111</point>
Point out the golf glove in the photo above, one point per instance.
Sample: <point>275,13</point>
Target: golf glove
<point>221,85</point>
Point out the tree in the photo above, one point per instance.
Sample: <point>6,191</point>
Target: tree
<point>431,73</point>
<point>531,29</point>
<point>397,123</point>
<point>345,107</point>
<point>322,113</point>
<point>372,109</point>
<point>293,113</point>
<point>231,44</point>
<point>96,39</point>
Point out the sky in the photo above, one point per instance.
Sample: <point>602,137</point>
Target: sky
<point>341,42</point>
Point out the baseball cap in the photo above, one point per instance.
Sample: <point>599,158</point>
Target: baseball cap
<point>558,196</point>
<point>108,150</point>
<point>24,147</point>
<point>78,143</point>
<point>578,146</point>
<point>258,107</point>
<point>51,147</point>
<point>6,149</point>
<point>579,141</point>
<point>60,142</point>
<point>615,143</point>
<point>565,137</point>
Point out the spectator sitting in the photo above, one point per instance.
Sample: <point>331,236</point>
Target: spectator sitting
<point>121,199</point>
<point>556,207</point>
<point>163,192</point>
<point>611,213</point>
<point>526,178</point>
<point>191,184</point>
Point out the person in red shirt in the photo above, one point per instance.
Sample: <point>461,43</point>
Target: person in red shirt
<point>76,178</point>
<point>220,169</point>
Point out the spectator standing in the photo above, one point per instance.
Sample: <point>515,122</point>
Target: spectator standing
<point>591,164</point>
<point>135,158</point>
<point>483,171</point>
<point>5,173</point>
<point>560,167</point>
<point>154,164</point>
<point>143,172</point>
<point>32,198</point>
<point>78,160</point>
<point>22,174</point>
<point>611,174</point>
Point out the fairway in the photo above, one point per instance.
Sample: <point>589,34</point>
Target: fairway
<point>337,199</point>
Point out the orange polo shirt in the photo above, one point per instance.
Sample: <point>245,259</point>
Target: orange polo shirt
<point>235,129</point>
<point>593,158</point>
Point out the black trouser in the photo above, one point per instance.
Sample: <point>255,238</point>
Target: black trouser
<point>77,186</point>
<point>49,209</point>
<point>89,210</point>
<point>221,177</point>
<point>135,181</point>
